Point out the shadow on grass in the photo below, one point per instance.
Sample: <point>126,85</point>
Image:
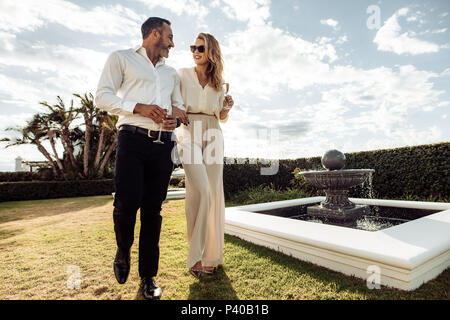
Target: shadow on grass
<point>140,293</point>
<point>31,209</point>
<point>7,233</point>
<point>434,289</point>
<point>210,287</point>
<point>213,287</point>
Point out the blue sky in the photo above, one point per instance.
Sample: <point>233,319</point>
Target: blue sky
<point>307,76</point>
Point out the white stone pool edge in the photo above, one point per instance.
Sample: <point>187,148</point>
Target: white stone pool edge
<point>406,255</point>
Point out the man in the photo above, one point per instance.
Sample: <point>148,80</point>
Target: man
<point>137,85</point>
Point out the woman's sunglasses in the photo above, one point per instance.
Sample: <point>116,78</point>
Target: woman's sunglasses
<point>200,49</point>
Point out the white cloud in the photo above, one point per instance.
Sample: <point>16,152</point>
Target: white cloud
<point>353,100</point>
<point>342,39</point>
<point>331,23</point>
<point>12,92</point>
<point>28,15</point>
<point>443,104</point>
<point>47,71</point>
<point>261,59</point>
<point>389,38</point>
<point>7,40</point>
<point>443,30</point>
<point>445,73</point>
<point>60,67</point>
<point>179,7</point>
<point>254,12</point>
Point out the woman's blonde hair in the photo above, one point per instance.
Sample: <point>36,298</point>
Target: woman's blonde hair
<point>214,70</point>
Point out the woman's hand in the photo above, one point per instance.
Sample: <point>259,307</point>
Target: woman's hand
<point>180,114</point>
<point>228,102</point>
<point>227,105</point>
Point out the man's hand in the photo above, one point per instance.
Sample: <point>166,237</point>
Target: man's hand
<point>151,111</point>
<point>169,123</point>
<point>180,114</point>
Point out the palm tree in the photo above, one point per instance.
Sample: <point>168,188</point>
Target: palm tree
<point>61,120</point>
<point>89,112</point>
<point>108,129</point>
<point>32,133</point>
<point>44,122</point>
<point>90,150</point>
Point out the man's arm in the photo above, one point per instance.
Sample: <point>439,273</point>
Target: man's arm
<point>110,81</point>
<point>106,97</point>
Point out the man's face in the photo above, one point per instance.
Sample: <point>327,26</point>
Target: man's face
<point>165,42</point>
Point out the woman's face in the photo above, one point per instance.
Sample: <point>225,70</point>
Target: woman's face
<point>200,57</point>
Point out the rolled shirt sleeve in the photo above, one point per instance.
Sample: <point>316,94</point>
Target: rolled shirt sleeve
<point>109,84</point>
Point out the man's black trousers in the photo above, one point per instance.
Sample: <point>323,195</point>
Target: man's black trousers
<point>143,170</point>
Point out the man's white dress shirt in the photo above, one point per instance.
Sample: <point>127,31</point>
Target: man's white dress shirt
<point>128,78</point>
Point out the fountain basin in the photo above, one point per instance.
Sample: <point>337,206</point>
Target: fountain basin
<point>406,255</point>
<point>337,207</point>
<point>337,179</point>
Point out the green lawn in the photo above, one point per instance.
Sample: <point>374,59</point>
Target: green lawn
<point>40,240</point>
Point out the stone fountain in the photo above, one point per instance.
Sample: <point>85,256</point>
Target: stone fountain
<point>336,208</point>
<point>404,259</point>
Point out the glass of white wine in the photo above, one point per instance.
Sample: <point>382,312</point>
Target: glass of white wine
<point>226,89</point>
<point>160,129</point>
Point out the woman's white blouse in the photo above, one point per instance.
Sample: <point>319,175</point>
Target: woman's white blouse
<point>198,99</point>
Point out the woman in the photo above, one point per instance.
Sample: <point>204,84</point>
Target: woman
<point>200,146</point>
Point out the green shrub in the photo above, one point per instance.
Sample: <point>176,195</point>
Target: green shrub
<point>419,172</point>
<point>260,194</point>
<point>34,190</point>
<point>19,176</point>
<point>177,182</point>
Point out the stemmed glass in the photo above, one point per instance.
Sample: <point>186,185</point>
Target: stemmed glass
<point>226,88</point>
<point>160,129</point>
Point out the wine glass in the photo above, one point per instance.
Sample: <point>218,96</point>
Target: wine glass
<point>226,88</point>
<point>160,129</point>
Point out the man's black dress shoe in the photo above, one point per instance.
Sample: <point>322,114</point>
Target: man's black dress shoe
<point>150,290</point>
<point>122,266</point>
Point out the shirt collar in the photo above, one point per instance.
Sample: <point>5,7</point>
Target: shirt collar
<point>141,50</point>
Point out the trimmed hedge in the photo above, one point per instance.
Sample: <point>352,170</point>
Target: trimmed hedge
<point>419,172</point>
<point>19,176</point>
<point>415,173</point>
<point>34,190</point>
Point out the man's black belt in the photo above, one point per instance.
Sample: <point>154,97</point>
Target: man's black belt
<point>165,135</point>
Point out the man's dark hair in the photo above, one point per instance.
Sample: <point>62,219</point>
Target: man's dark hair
<point>152,23</point>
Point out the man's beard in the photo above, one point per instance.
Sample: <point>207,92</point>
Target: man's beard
<point>162,49</point>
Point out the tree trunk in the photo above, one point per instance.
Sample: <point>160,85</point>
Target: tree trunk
<point>47,156</point>
<point>100,148</point>
<point>55,153</point>
<point>108,154</point>
<point>67,144</point>
<point>87,145</point>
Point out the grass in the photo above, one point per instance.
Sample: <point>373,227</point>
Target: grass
<point>260,194</point>
<point>40,240</point>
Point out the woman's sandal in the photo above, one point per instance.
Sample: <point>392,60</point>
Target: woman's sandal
<point>196,273</point>
<point>209,270</point>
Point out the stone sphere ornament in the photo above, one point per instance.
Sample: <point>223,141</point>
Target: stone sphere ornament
<point>333,160</point>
